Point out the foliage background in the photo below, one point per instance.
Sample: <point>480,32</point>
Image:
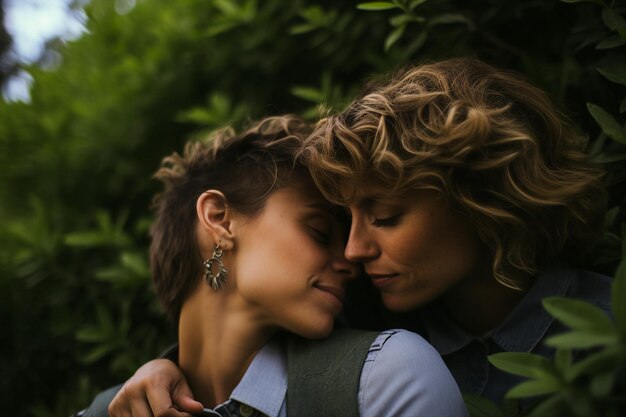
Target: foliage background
<point>76,308</point>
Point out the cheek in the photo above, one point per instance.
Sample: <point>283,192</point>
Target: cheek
<point>436,241</point>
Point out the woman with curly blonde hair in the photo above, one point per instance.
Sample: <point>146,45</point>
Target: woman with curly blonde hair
<point>471,200</point>
<point>469,193</point>
<point>247,258</point>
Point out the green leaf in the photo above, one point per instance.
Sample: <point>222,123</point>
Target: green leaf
<point>197,115</point>
<point>534,387</point>
<point>577,314</point>
<point>613,19</point>
<point>608,123</point>
<point>302,28</point>
<point>317,16</point>
<point>614,70</point>
<point>582,339</point>
<point>611,42</point>
<point>522,363</point>
<point>447,18</point>
<point>563,360</point>
<point>579,402</point>
<point>400,19</point>
<point>227,7</point>
<point>555,405</point>
<point>618,295</point>
<point>418,42</point>
<point>308,93</point>
<point>481,407</point>
<point>602,384</point>
<point>415,3</point>
<point>86,239</point>
<point>219,103</point>
<point>90,334</point>
<point>394,36</point>
<point>376,5</point>
<point>603,361</point>
<point>610,217</point>
<point>221,27</point>
<point>608,158</point>
<point>97,353</point>
<point>136,263</point>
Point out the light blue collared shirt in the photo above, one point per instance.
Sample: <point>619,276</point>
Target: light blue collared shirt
<point>402,376</point>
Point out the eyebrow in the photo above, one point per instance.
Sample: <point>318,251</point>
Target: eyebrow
<point>367,203</point>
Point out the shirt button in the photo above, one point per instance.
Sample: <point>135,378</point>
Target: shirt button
<point>245,410</point>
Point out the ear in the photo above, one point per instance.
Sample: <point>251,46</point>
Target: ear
<point>214,220</point>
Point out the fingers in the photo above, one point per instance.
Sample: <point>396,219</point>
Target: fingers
<point>160,402</point>
<point>183,398</point>
<point>141,409</point>
<point>153,391</point>
<point>189,405</point>
<point>128,403</point>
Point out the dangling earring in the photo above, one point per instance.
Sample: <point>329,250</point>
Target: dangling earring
<point>216,281</point>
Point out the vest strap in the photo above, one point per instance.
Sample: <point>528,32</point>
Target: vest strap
<point>324,375</point>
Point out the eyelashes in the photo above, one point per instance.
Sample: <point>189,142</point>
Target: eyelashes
<point>320,236</point>
<point>387,221</point>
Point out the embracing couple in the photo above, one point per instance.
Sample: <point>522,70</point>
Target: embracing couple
<point>456,190</point>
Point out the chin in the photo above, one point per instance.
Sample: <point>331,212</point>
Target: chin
<point>320,330</point>
<point>401,304</point>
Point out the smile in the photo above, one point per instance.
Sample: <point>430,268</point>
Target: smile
<point>337,292</point>
<point>383,280</point>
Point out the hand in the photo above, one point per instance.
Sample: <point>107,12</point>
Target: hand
<point>158,389</point>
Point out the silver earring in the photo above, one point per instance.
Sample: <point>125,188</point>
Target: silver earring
<point>216,281</point>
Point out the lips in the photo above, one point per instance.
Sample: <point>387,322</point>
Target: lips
<point>338,292</point>
<point>382,280</point>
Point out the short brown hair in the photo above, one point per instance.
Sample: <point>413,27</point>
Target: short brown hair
<point>487,140</point>
<point>246,167</point>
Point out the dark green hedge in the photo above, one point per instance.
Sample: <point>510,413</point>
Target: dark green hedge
<point>76,306</point>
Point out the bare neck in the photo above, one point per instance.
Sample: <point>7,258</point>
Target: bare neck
<point>218,340</point>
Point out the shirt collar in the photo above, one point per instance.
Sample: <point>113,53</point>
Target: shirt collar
<point>264,385</point>
<point>527,324</point>
<point>521,331</point>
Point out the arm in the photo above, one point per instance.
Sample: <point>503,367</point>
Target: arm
<point>407,377</point>
<point>157,389</point>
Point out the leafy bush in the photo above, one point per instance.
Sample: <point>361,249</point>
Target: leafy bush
<point>75,297</point>
<point>592,386</point>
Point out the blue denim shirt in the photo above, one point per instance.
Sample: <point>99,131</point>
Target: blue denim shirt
<point>402,376</point>
<point>524,330</point>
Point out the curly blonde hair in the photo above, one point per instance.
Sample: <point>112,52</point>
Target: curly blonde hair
<point>492,144</point>
<point>245,167</point>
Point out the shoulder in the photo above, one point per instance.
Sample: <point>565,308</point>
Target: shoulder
<point>399,343</point>
<point>592,287</point>
<point>403,351</point>
<point>404,375</point>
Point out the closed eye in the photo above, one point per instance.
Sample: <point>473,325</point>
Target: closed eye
<point>386,221</point>
<point>320,236</point>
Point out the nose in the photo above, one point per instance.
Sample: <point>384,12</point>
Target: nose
<point>342,266</point>
<point>360,247</point>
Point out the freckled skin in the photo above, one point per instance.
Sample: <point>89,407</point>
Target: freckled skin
<point>429,250</point>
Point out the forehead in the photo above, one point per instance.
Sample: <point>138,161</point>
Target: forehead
<point>300,195</point>
<point>375,196</point>
<point>366,193</point>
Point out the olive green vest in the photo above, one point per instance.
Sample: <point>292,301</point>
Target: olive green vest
<point>322,376</point>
